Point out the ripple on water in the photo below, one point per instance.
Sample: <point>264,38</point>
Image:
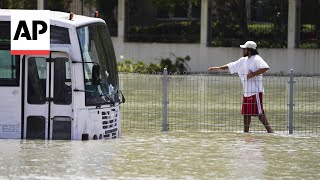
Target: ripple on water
<point>173,155</point>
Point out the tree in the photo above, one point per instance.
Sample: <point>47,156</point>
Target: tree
<point>20,4</point>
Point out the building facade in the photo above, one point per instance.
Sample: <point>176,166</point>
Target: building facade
<point>209,31</point>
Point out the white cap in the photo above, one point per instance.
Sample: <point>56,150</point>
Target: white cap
<point>249,44</point>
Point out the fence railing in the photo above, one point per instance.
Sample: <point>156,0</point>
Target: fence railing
<point>212,102</point>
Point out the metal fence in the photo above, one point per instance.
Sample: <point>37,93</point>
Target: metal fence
<point>308,24</point>
<point>173,22</point>
<point>265,21</point>
<point>212,103</point>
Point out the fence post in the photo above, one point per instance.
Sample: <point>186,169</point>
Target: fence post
<point>291,103</point>
<point>165,100</point>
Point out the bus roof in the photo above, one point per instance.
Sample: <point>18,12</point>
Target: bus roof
<point>59,18</point>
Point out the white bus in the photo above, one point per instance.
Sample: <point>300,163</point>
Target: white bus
<point>73,93</point>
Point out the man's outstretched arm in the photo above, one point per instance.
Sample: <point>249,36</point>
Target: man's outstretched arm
<point>215,68</point>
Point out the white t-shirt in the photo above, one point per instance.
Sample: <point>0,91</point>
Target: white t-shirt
<point>242,67</point>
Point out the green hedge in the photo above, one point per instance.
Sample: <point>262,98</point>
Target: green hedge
<point>266,35</point>
<point>169,32</point>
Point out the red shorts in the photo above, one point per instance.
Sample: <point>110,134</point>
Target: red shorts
<point>252,105</point>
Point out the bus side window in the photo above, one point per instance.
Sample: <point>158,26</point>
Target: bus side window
<point>9,69</point>
<point>62,81</point>
<point>37,77</point>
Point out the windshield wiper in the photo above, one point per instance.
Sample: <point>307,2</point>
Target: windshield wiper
<point>108,97</point>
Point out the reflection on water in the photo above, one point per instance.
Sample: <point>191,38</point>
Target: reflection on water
<point>175,155</point>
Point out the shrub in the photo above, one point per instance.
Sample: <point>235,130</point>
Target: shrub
<point>180,65</point>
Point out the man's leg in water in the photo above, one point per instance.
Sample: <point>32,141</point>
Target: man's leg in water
<point>246,123</point>
<point>264,121</point>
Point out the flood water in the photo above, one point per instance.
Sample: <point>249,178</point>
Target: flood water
<point>173,155</point>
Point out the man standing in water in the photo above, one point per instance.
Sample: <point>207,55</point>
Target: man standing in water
<point>250,68</point>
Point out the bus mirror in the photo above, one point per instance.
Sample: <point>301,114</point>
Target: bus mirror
<point>96,75</point>
<point>123,100</point>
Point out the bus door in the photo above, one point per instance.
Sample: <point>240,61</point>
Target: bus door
<point>48,97</point>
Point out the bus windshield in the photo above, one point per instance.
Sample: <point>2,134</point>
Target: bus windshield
<point>96,47</point>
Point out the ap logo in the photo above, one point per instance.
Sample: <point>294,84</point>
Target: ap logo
<point>30,32</point>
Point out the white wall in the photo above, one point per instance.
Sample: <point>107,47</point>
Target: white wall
<point>279,60</point>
